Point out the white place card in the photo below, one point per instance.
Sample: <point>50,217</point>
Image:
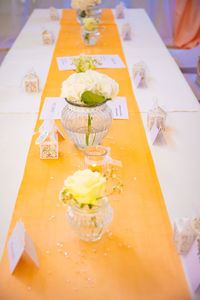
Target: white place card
<point>156,135</point>
<point>192,264</point>
<point>119,108</point>
<point>19,244</point>
<point>138,79</point>
<point>52,108</point>
<point>46,127</point>
<point>107,61</point>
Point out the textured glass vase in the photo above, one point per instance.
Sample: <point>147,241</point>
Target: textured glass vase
<point>86,125</point>
<point>94,12</point>
<point>90,223</point>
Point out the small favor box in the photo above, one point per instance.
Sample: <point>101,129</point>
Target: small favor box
<point>184,235</point>
<point>47,37</point>
<point>139,74</point>
<point>20,245</point>
<point>48,140</point>
<point>126,32</point>
<point>31,83</point>
<point>53,12</point>
<point>120,11</point>
<point>156,114</point>
<point>49,147</point>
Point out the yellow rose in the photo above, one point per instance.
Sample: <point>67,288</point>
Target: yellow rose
<point>85,186</point>
<point>89,24</point>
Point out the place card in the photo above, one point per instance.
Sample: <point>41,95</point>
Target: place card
<point>20,244</point>
<point>120,11</point>
<point>139,74</point>
<point>192,265</point>
<point>126,32</point>
<point>138,79</point>
<point>156,135</point>
<point>107,61</point>
<point>52,108</point>
<point>47,126</point>
<point>119,108</point>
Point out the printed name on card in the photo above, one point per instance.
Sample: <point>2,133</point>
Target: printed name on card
<point>20,244</point>
<point>106,61</point>
<point>156,134</point>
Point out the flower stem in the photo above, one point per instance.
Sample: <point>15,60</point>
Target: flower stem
<point>94,221</point>
<point>89,130</point>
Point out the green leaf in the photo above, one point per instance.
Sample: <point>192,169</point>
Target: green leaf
<point>87,37</point>
<point>90,98</point>
<point>83,14</point>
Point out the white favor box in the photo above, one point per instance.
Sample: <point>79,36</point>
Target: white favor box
<point>120,11</point>
<point>47,37</point>
<point>184,235</point>
<point>31,83</point>
<point>157,114</point>
<point>53,12</point>
<point>49,147</point>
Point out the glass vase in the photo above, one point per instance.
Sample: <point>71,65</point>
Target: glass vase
<point>86,125</point>
<point>89,223</point>
<point>94,12</point>
<point>96,158</point>
<point>90,37</point>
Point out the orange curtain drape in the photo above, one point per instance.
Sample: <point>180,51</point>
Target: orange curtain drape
<point>187,23</point>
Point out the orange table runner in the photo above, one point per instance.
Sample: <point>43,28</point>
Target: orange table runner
<point>136,259</point>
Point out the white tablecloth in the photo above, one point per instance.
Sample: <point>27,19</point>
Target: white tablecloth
<point>177,164</point>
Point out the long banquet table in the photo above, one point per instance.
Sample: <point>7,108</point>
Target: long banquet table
<point>177,164</point>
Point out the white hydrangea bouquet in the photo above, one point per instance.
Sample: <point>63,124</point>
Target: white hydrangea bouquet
<point>84,4</point>
<point>86,117</point>
<point>100,87</point>
<point>86,8</point>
